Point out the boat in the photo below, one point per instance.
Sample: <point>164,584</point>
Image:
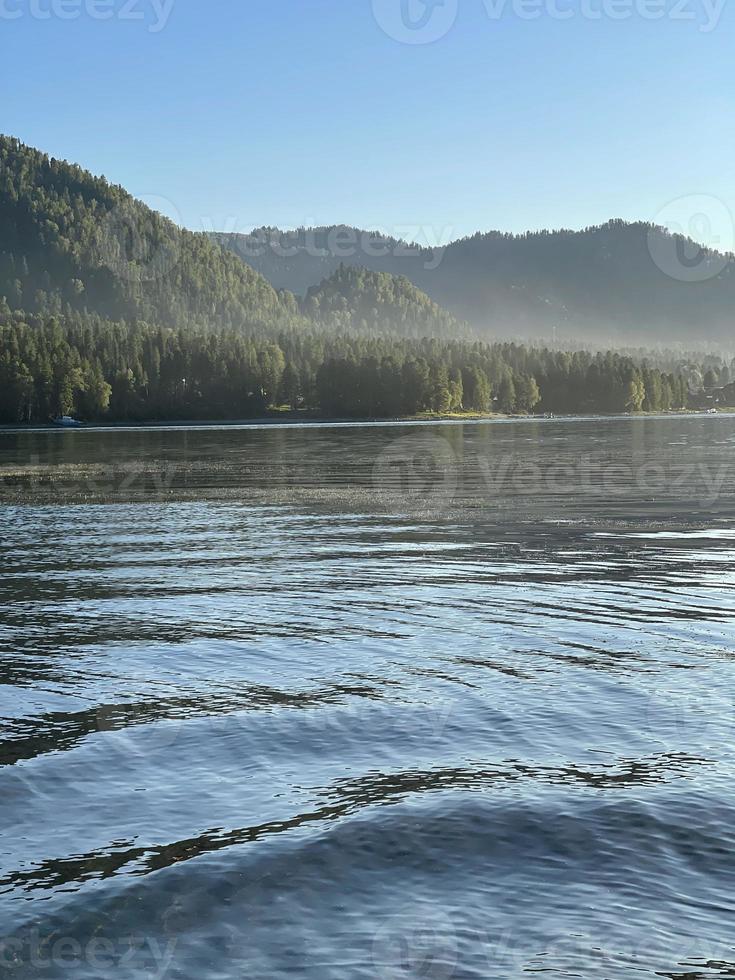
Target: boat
<point>67,422</point>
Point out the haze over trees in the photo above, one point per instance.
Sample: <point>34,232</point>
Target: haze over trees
<point>99,369</point>
<point>619,283</point>
<point>110,312</point>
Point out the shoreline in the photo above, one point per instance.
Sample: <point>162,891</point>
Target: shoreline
<point>296,419</point>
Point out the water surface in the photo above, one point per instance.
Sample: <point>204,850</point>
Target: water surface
<point>446,701</point>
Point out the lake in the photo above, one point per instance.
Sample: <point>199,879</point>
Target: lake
<point>369,701</point>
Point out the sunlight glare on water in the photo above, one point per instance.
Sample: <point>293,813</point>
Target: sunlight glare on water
<point>369,701</point>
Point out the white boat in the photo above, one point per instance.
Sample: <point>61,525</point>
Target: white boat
<point>67,422</point>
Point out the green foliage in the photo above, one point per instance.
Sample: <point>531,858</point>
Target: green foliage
<point>356,299</point>
<point>601,284</point>
<point>291,387</point>
<point>108,311</point>
<point>527,393</point>
<point>73,242</point>
<point>507,397</point>
<point>477,389</point>
<point>99,369</point>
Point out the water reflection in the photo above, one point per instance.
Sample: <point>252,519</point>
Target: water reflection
<point>260,700</point>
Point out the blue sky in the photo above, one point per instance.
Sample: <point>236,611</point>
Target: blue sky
<point>246,112</point>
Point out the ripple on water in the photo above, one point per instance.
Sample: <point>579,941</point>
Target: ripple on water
<point>337,737</point>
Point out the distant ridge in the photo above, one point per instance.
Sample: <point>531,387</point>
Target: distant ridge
<point>629,283</point>
<point>111,312</point>
<point>71,242</point>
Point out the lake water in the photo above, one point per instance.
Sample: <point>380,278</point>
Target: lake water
<point>442,701</point>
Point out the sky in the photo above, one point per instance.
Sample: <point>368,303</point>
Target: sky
<point>429,122</point>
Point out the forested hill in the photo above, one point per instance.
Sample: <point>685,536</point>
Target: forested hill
<point>355,299</point>
<point>299,260</point>
<point>109,312</point>
<point>616,283</point>
<point>70,241</point>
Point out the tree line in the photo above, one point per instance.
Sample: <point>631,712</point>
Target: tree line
<point>102,370</point>
<point>108,311</point>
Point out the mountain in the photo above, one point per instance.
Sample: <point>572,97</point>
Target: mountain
<point>617,283</point>
<point>298,260</point>
<point>111,312</point>
<point>355,299</point>
<point>72,241</point>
